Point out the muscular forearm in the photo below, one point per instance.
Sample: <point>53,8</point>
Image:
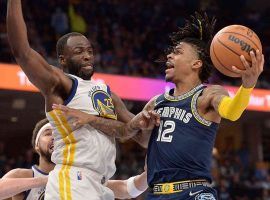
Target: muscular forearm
<point>113,127</point>
<point>142,138</point>
<point>12,186</point>
<point>16,29</point>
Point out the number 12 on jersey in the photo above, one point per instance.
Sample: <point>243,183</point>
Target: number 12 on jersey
<point>165,131</point>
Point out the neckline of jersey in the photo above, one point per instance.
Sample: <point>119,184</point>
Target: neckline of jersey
<point>182,96</point>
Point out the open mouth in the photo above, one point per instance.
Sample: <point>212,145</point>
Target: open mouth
<point>169,65</point>
<point>51,147</point>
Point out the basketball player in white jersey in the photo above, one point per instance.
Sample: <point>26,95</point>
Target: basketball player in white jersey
<point>17,181</point>
<point>84,157</point>
<point>42,142</point>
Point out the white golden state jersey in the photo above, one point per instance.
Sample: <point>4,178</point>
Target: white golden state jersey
<point>36,193</point>
<point>85,147</point>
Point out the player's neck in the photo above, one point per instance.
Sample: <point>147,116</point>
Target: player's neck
<point>45,166</point>
<point>183,87</point>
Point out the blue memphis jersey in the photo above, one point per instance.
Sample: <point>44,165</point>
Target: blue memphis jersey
<point>181,147</point>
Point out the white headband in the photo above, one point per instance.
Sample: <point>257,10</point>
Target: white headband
<point>43,128</point>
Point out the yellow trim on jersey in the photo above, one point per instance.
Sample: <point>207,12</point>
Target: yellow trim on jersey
<point>106,111</point>
<point>182,96</point>
<point>195,112</point>
<point>66,132</point>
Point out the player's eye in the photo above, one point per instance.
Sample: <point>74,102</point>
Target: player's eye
<point>77,51</point>
<point>176,51</point>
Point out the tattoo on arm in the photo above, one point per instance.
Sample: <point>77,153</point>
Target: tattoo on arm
<point>122,130</point>
<point>113,128</point>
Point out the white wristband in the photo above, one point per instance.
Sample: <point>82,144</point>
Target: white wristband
<point>131,188</point>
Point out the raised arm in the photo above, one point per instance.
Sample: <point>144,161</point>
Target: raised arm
<point>232,108</point>
<point>39,72</point>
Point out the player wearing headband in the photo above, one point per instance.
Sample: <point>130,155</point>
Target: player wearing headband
<point>42,142</point>
<point>22,179</point>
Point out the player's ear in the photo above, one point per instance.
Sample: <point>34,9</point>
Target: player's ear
<point>197,64</point>
<point>62,60</point>
<point>37,148</point>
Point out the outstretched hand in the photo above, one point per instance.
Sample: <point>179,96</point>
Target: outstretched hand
<point>79,118</point>
<point>252,71</point>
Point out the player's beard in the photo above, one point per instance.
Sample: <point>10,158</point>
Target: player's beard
<point>74,68</point>
<point>46,155</point>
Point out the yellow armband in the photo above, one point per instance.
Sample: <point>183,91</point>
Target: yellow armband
<point>232,108</point>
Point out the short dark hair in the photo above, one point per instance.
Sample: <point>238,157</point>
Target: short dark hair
<point>61,43</point>
<point>198,31</point>
<point>38,126</point>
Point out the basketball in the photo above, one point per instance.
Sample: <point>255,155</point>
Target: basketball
<point>229,44</point>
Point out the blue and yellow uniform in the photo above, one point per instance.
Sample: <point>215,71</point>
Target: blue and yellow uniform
<point>180,149</point>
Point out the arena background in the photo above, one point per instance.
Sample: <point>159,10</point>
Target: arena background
<point>128,37</point>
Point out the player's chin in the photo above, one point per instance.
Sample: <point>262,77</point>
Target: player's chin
<point>86,74</point>
<point>168,77</point>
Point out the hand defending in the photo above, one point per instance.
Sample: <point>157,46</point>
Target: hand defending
<point>145,120</point>
<point>79,118</point>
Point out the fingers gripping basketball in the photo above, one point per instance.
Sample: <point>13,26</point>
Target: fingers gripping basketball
<point>229,44</point>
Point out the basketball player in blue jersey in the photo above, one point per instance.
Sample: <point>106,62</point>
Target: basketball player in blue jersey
<point>84,157</point>
<point>42,142</point>
<point>180,148</point>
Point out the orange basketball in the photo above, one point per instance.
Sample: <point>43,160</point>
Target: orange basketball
<point>231,42</point>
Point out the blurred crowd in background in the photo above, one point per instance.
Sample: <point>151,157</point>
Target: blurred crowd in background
<point>130,38</point>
